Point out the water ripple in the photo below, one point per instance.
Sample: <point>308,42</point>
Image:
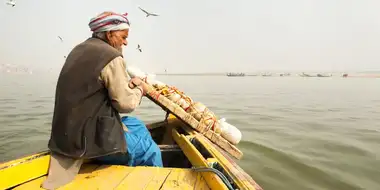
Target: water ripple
<point>290,166</point>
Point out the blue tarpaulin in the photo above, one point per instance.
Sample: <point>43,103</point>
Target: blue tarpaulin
<point>142,150</point>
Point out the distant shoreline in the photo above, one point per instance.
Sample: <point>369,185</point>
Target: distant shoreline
<point>192,74</point>
<point>259,74</point>
<point>334,75</point>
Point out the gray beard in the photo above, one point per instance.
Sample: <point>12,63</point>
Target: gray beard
<point>120,49</point>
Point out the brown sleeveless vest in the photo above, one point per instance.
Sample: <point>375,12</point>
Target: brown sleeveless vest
<point>85,125</point>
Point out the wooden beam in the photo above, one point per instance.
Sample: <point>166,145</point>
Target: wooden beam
<point>181,114</point>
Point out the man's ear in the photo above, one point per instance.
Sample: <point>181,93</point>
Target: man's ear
<point>108,35</point>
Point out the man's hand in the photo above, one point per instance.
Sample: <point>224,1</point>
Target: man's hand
<point>135,81</point>
<point>144,87</point>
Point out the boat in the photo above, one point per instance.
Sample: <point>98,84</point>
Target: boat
<point>306,75</point>
<point>321,75</point>
<point>235,74</point>
<point>266,74</point>
<point>191,161</point>
<point>198,152</point>
<point>284,74</point>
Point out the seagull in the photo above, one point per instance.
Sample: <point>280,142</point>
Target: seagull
<point>11,2</point>
<point>60,38</point>
<point>147,13</point>
<point>138,47</point>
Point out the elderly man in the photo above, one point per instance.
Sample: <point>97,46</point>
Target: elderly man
<point>92,90</point>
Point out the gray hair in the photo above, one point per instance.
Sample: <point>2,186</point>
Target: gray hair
<point>101,35</point>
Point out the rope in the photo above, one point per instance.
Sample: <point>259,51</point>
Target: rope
<point>205,115</point>
<point>217,172</point>
<point>167,116</point>
<point>169,90</point>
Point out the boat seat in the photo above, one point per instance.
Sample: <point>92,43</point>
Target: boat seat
<point>169,148</point>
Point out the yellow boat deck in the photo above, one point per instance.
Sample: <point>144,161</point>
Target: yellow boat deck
<point>182,148</point>
<point>123,177</point>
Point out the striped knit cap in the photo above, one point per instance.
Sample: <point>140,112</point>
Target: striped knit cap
<point>109,21</point>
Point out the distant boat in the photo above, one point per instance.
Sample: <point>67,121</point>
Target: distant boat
<point>320,75</point>
<point>305,75</point>
<point>235,74</point>
<point>266,74</point>
<point>284,74</point>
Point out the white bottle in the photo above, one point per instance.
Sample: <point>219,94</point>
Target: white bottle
<point>149,78</point>
<point>135,72</point>
<point>230,132</point>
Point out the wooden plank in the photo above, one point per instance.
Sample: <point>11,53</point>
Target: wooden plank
<point>141,177</point>
<point>201,184</point>
<point>85,169</point>
<point>181,114</point>
<point>153,179</point>
<point>104,177</point>
<point>13,173</point>
<point>169,147</point>
<point>240,177</point>
<point>159,179</point>
<point>23,159</point>
<point>224,144</point>
<point>36,183</point>
<point>180,179</point>
<point>197,160</point>
<point>156,125</point>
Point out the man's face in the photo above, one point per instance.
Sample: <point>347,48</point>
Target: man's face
<point>118,38</point>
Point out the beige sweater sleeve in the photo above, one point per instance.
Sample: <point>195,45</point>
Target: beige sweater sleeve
<point>115,78</point>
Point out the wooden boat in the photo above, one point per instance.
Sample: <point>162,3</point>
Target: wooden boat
<point>321,75</point>
<point>266,75</point>
<point>307,75</point>
<point>191,161</point>
<point>235,74</point>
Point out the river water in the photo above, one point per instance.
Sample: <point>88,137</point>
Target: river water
<point>298,133</point>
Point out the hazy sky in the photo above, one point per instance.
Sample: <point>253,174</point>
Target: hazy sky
<point>204,36</point>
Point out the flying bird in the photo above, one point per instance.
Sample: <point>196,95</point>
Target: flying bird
<point>147,13</point>
<point>139,48</point>
<point>60,38</point>
<point>11,2</point>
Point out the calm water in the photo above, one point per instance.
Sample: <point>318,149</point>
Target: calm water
<point>298,133</point>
